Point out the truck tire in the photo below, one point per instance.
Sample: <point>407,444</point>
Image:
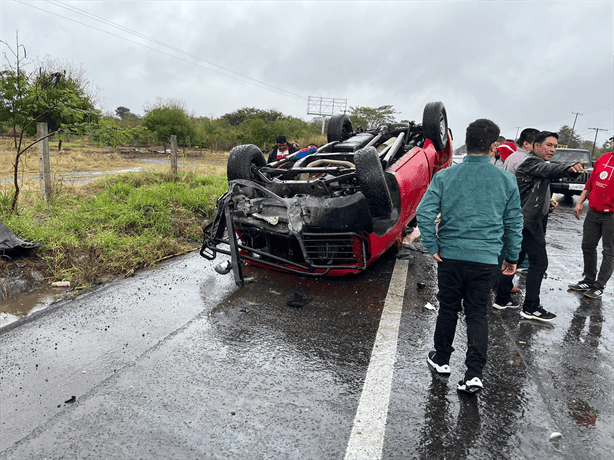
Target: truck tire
<point>241,160</point>
<point>435,125</point>
<point>372,181</point>
<point>339,128</point>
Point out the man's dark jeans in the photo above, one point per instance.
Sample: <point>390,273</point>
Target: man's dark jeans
<point>467,284</point>
<point>596,226</point>
<point>534,245</point>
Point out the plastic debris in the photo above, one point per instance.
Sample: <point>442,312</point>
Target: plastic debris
<point>61,284</point>
<point>429,306</point>
<point>555,436</point>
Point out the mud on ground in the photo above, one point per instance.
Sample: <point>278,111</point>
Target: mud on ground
<point>22,275</point>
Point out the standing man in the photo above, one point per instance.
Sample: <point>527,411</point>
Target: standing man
<point>598,224</point>
<point>496,158</point>
<point>525,145</point>
<point>479,206</point>
<point>533,176</point>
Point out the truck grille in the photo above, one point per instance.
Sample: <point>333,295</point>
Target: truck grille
<point>579,179</point>
<point>326,250</point>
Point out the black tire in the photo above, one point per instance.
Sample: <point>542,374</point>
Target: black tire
<point>241,160</point>
<point>568,197</point>
<point>435,125</point>
<point>372,181</point>
<point>339,128</point>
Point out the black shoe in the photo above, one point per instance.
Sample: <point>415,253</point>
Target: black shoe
<point>594,293</point>
<point>508,304</point>
<point>472,386</point>
<point>540,314</point>
<point>580,286</point>
<point>443,369</point>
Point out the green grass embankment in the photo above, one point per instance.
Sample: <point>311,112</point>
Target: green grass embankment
<point>115,225</point>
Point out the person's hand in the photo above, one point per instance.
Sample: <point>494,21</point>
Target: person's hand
<point>437,257</point>
<point>578,209</point>
<point>553,205</point>
<point>577,168</point>
<point>507,268</point>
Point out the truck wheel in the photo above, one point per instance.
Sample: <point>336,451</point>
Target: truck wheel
<point>339,128</point>
<point>435,125</point>
<point>241,161</point>
<point>372,181</point>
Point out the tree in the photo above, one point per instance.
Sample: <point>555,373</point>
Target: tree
<point>109,131</point>
<point>39,96</point>
<point>246,114</point>
<point>566,137</point>
<point>14,87</point>
<point>371,117</point>
<point>122,111</point>
<point>167,120</point>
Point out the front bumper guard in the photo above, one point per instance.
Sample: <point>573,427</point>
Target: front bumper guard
<point>221,231</point>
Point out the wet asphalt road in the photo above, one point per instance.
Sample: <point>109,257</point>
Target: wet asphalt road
<point>177,363</point>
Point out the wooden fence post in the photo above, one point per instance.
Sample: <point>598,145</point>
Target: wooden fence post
<point>174,154</point>
<point>43,160</point>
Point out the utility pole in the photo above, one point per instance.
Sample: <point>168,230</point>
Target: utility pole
<point>573,127</point>
<point>595,142</point>
<point>517,128</point>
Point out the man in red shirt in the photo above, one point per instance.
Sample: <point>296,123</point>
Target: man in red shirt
<point>598,224</point>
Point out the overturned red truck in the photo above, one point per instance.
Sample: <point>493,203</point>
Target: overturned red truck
<point>334,211</point>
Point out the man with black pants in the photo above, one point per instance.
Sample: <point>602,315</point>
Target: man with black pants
<point>480,208</point>
<point>598,225</point>
<point>534,175</point>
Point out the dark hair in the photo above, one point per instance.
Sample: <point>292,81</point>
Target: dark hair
<point>281,139</point>
<point>527,135</point>
<point>541,137</point>
<point>480,135</point>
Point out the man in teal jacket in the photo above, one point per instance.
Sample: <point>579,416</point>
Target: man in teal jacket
<point>480,209</point>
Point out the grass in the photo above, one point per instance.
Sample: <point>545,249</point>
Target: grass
<point>116,224</point>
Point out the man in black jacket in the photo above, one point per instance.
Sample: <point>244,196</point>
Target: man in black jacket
<point>533,176</point>
<point>281,149</point>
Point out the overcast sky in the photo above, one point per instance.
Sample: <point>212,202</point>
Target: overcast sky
<point>521,64</point>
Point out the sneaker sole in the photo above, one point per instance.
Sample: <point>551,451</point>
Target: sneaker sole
<point>529,316</point>
<point>445,370</point>
<point>505,307</point>
<point>596,297</point>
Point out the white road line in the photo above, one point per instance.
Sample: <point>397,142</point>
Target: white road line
<point>367,438</point>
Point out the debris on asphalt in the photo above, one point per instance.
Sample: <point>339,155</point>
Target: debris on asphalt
<point>430,306</point>
<point>298,301</point>
<point>223,267</point>
<point>555,436</point>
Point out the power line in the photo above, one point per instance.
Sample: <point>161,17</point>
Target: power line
<point>253,81</point>
<point>118,26</point>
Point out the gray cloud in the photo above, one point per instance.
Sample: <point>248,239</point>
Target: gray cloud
<point>519,63</point>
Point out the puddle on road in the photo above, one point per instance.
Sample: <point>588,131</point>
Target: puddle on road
<point>24,304</point>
